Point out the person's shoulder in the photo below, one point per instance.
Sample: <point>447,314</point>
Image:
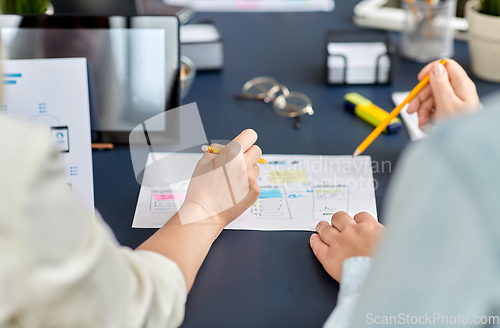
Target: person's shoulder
<point>462,139</point>
<point>471,136</point>
<point>469,148</point>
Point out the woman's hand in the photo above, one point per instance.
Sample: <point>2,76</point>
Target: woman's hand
<point>450,92</point>
<point>221,189</point>
<point>346,237</point>
<point>224,186</point>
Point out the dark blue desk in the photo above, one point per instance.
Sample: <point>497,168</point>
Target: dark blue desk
<point>267,279</point>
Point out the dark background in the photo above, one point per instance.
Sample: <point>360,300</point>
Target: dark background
<point>256,278</point>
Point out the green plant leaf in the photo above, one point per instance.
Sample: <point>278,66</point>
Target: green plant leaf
<point>24,6</point>
<point>490,7</point>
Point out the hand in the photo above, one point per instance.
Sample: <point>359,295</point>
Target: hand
<point>450,92</point>
<point>209,199</point>
<point>346,237</point>
<point>224,186</point>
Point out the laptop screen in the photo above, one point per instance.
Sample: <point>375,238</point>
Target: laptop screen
<point>133,63</point>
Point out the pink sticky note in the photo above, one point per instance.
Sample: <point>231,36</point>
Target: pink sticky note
<point>168,196</point>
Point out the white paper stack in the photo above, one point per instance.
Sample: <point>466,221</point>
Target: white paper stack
<point>203,44</point>
<point>410,120</point>
<point>358,63</point>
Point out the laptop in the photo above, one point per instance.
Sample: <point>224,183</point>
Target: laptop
<point>133,64</point>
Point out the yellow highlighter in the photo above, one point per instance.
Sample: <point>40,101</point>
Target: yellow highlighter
<point>369,112</point>
<point>213,150</point>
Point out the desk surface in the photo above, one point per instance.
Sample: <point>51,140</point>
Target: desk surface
<point>254,278</point>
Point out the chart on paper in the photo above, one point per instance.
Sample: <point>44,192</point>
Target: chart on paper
<point>52,94</point>
<point>297,191</point>
<point>324,201</point>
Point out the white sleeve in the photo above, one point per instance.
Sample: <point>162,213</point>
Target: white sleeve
<point>65,268</point>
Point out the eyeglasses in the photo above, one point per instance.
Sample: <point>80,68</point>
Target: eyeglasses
<point>285,103</point>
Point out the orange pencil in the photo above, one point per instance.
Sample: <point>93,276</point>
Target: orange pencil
<point>214,150</point>
<point>102,146</point>
<point>395,112</point>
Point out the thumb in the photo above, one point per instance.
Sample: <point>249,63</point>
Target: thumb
<point>443,92</point>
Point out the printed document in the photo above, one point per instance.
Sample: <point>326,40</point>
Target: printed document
<point>297,191</point>
<point>53,94</point>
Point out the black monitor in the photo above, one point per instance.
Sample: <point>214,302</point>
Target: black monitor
<point>95,7</point>
<point>133,63</point>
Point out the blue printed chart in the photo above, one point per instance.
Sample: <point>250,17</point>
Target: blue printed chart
<point>298,191</point>
<point>52,94</point>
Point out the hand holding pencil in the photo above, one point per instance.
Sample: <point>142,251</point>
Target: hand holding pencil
<point>224,186</point>
<point>450,92</point>
<point>395,112</point>
<point>214,150</point>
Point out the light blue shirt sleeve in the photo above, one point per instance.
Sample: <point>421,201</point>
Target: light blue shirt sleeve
<point>354,272</point>
<point>438,264</point>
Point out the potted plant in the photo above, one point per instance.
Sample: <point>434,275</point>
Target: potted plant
<point>26,6</point>
<point>484,38</point>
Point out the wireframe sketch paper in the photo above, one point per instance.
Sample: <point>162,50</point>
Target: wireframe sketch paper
<point>53,93</point>
<point>297,191</point>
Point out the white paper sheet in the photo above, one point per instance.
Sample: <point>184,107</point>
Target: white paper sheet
<point>410,120</point>
<point>196,33</point>
<point>255,5</point>
<point>297,191</point>
<point>53,93</point>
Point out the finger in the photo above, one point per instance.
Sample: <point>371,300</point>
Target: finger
<point>414,105</point>
<point>426,70</point>
<point>232,151</point>
<point>341,220</point>
<point>246,139</point>
<point>326,231</point>
<point>460,81</point>
<point>441,87</point>
<point>424,116</point>
<point>318,246</point>
<point>252,155</point>
<point>427,106</point>
<point>363,217</point>
<point>425,93</point>
<point>421,98</point>
<point>253,174</point>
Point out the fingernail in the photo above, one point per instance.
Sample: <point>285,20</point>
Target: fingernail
<point>317,225</point>
<point>438,69</point>
<point>320,223</point>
